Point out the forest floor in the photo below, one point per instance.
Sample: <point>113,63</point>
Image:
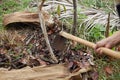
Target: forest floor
<point>19,55</point>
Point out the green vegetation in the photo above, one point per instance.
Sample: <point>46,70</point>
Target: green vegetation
<point>96,33</point>
<point>114,65</point>
<point>99,4</point>
<point>9,6</point>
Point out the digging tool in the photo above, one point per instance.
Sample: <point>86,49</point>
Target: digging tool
<point>106,51</point>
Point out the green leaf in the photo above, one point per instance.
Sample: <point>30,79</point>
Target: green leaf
<point>64,8</point>
<point>58,10</point>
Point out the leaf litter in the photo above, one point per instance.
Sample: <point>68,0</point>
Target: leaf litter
<point>28,48</point>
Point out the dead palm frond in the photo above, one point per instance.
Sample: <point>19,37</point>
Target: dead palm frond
<point>94,16</point>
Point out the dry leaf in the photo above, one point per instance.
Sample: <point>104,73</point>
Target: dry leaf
<point>94,75</point>
<point>108,70</point>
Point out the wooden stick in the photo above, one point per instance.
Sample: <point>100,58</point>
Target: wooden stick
<point>106,51</point>
<point>43,27</point>
<point>75,17</point>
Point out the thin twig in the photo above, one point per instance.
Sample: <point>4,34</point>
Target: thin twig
<point>43,27</point>
<point>74,21</point>
<point>30,39</point>
<point>75,17</point>
<point>40,7</point>
<point>108,26</point>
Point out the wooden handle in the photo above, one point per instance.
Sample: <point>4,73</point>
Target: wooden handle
<point>106,51</point>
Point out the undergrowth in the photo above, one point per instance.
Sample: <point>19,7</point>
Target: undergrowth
<point>96,33</point>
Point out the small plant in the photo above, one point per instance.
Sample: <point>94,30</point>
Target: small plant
<point>96,33</point>
<point>59,9</point>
